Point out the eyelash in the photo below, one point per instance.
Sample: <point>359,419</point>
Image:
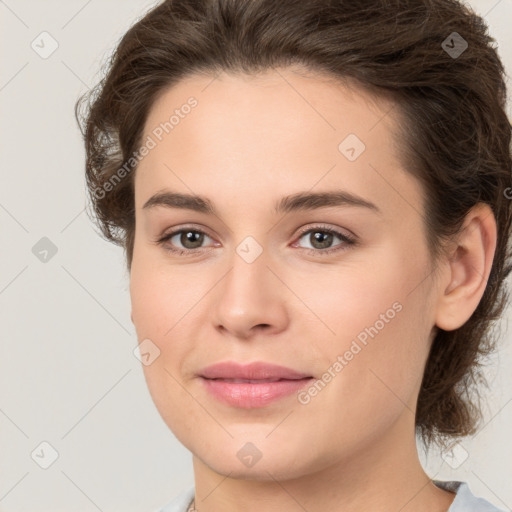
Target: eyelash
<point>346,239</point>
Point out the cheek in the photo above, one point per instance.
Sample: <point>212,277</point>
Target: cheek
<point>375,333</point>
<point>348,300</point>
<point>165,308</point>
<point>160,301</point>
<point>370,384</point>
<point>150,300</point>
<point>161,296</point>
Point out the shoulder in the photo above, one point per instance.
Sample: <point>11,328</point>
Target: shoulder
<point>180,503</point>
<point>465,500</point>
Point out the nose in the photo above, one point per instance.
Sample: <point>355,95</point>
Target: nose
<point>251,299</point>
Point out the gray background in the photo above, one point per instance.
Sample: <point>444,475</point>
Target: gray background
<point>68,375</point>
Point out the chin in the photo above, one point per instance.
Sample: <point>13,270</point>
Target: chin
<point>263,471</point>
<point>259,461</point>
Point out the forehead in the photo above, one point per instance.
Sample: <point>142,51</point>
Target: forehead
<point>290,97</point>
<point>275,131</point>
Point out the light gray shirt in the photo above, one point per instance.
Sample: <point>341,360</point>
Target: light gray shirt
<point>465,500</point>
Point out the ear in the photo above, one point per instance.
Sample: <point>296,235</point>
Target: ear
<point>469,267</point>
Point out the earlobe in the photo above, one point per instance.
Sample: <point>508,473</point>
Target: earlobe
<point>469,269</point>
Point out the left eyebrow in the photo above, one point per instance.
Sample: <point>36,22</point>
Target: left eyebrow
<point>313,201</point>
<point>300,201</point>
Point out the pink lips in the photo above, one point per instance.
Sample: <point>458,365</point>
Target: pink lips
<point>253,385</point>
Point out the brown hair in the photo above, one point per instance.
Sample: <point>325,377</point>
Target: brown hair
<point>454,132</point>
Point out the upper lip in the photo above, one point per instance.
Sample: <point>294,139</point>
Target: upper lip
<point>253,371</point>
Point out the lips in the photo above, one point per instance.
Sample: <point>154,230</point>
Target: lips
<point>257,371</point>
<point>252,386</point>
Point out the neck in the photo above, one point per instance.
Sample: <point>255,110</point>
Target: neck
<point>385,475</point>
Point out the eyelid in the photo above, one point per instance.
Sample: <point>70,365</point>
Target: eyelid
<point>174,231</point>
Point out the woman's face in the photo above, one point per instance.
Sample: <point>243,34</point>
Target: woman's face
<point>259,283</point>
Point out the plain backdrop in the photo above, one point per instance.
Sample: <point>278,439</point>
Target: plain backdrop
<point>71,388</point>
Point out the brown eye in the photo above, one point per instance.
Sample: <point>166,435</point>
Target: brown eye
<point>183,241</point>
<point>321,240</point>
<point>190,239</point>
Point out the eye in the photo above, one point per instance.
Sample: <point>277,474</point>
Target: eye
<point>321,239</point>
<point>191,240</point>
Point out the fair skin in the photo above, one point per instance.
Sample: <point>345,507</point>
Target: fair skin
<point>248,143</point>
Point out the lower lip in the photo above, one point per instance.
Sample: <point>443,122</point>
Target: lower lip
<point>249,395</point>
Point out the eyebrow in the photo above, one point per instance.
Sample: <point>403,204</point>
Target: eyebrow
<point>300,201</point>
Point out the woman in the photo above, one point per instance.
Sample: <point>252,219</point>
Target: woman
<point>313,201</point>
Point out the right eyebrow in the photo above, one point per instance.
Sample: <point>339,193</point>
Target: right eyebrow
<point>184,201</point>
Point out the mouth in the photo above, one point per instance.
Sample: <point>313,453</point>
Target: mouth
<point>252,385</point>
<point>253,393</point>
<point>257,371</point>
